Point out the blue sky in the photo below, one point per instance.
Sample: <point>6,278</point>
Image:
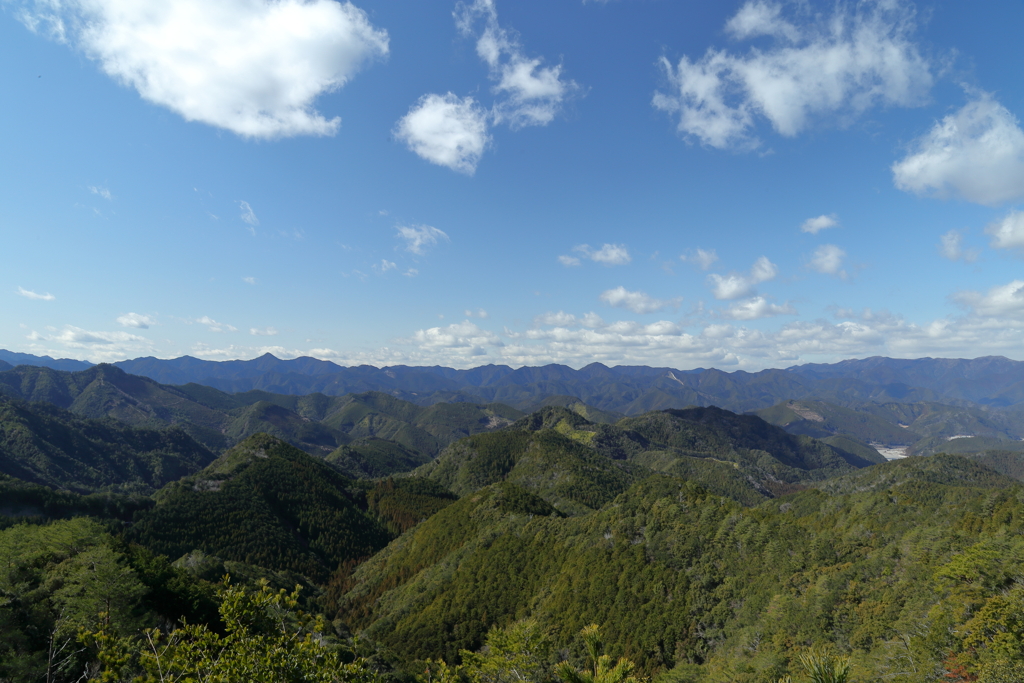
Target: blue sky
<point>734,184</point>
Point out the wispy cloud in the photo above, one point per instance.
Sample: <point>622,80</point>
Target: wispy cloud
<point>136,320</point>
<point>102,192</point>
<point>418,238</point>
<point>254,68</point>
<point>608,254</point>
<point>29,294</point>
<point>951,245</point>
<point>478,313</point>
<point>755,308</point>
<point>868,49</point>
<point>215,326</point>
<point>263,332</point>
<point>249,216</point>
<point>819,223</point>
<point>638,302</point>
<point>702,258</point>
<point>384,266</point>
<point>249,280</point>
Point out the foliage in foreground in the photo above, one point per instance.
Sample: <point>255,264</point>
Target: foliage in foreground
<point>266,639</point>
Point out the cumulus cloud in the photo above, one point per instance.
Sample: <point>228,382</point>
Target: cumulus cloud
<point>756,307</point>
<point>253,67</point>
<point>529,94</point>
<point>951,245</point>
<point>828,259</point>
<point>479,313</point>
<point>638,302</point>
<point>464,335</point>
<point>702,258</point>
<point>831,66</point>
<point>384,266</point>
<point>446,130</point>
<point>1000,301</point>
<point>452,131</point>
<point>1008,233</point>
<point>418,238</point>
<point>215,326</point>
<point>29,294</point>
<point>136,320</point>
<point>249,280</point>
<point>819,223</point>
<point>735,285</point>
<point>976,153</point>
<point>608,254</point>
<point>263,332</point>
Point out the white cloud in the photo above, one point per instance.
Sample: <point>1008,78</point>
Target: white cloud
<point>951,245</point>
<point>264,332</point>
<point>249,280</point>
<point>975,154</point>
<point>136,320</point>
<point>98,347</point>
<point>253,67</point>
<point>419,237</point>
<point>248,215</point>
<point>384,266</point>
<point>755,308</point>
<point>828,260</point>
<point>563,319</point>
<point>29,294</point>
<point>102,192</point>
<point>411,272</point>
<point>1002,300</point>
<point>1008,233</point>
<point>446,130</point>
<point>608,254</point>
<point>834,66</point>
<point>479,313</point>
<point>735,285</point>
<point>703,258</point>
<point>819,223</point>
<point>215,326</point>
<point>529,94</point>
<point>730,286</point>
<point>456,336</point>
<point>451,131</point>
<point>763,270</point>
<point>638,302</point>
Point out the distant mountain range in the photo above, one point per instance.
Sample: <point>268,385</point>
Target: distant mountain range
<point>991,381</point>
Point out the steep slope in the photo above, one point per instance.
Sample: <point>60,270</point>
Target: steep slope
<point>43,444</point>
<point>676,577</point>
<point>265,503</point>
<point>577,465</point>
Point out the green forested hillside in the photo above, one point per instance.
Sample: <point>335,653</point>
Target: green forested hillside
<point>316,423</point>
<point>680,580</point>
<point>577,465</point>
<point>43,444</point>
<point>265,503</point>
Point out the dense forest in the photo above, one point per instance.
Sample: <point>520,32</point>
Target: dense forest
<point>679,545</point>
